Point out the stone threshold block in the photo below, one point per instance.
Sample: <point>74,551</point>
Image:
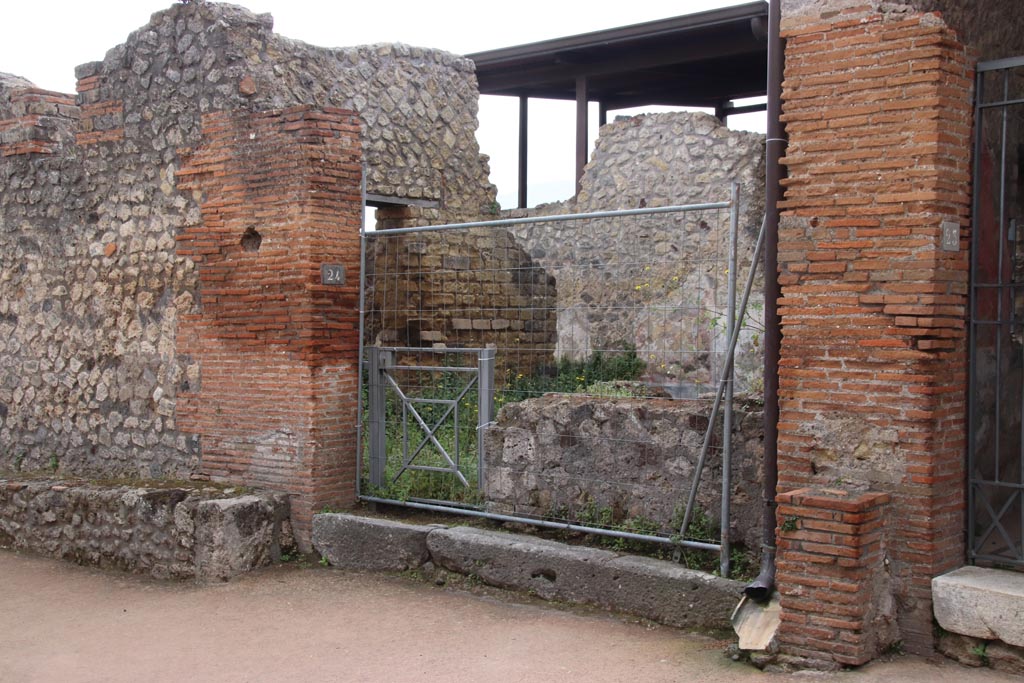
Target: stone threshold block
<point>982,603</point>
<point>658,590</point>
<point>353,542</point>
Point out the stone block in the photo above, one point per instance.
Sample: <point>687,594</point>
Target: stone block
<point>236,535</point>
<point>457,262</point>
<point>352,542</point>
<point>982,603</point>
<point>653,589</point>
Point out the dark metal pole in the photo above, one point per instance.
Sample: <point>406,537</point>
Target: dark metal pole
<point>721,111</point>
<point>523,144</point>
<point>581,129</point>
<point>602,114</point>
<point>761,588</point>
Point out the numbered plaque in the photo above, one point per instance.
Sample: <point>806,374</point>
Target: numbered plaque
<point>332,274</point>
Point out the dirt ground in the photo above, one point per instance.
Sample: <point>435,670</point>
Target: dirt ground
<point>60,622</point>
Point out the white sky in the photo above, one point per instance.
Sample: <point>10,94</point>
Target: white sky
<point>43,41</point>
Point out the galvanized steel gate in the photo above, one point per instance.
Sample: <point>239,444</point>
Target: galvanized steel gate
<point>996,416</point>
<point>421,417</point>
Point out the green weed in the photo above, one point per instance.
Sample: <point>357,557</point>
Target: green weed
<point>981,652</point>
<point>590,376</point>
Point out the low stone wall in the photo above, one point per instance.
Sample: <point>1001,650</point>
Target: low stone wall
<point>617,458</point>
<point>168,533</point>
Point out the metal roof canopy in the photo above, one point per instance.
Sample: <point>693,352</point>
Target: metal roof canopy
<point>706,59</point>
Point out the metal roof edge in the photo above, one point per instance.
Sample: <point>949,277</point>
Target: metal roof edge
<point>686,22</point>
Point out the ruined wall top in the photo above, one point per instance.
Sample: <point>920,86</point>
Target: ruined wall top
<point>418,105</point>
<point>9,86</point>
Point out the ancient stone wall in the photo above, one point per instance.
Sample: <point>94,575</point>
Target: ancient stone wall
<point>118,349</point>
<point>470,288</point>
<point>658,283</point>
<point>34,121</point>
<point>581,457</point>
<point>168,533</point>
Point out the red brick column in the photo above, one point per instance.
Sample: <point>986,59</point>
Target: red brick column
<point>274,403</point>
<point>877,108</point>
<point>832,581</point>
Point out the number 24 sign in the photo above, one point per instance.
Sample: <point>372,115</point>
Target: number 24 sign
<point>332,274</point>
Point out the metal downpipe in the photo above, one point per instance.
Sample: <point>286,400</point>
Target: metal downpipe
<point>761,588</point>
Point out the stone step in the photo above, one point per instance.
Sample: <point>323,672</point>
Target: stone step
<point>661,591</point>
<point>982,603</point>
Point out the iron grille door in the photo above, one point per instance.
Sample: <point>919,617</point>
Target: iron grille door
<point>996,418</point>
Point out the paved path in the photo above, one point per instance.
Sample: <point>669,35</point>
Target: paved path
<point>60,622</point>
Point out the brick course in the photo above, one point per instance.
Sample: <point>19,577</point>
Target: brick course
<point>278,350</point>
<point>831,549</point>
<point>877,109</point>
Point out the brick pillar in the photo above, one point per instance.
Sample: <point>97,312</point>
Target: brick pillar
<point>275,343</point>
<point>877,108</point>
<point>829,550</point>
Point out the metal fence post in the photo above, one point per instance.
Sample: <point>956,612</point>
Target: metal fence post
<point>380,360</point>
<point>485,407</point>
<point>725,559</point>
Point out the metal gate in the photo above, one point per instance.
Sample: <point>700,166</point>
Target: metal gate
<point>996,414</point>
<point>430,422</point>
<point>460,319</point>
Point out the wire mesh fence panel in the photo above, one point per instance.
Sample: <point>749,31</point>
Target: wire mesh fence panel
<point>608,332</point>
